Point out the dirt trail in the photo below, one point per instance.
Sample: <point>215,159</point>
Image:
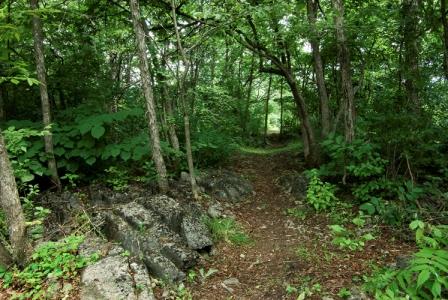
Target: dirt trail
<point>285,250</point>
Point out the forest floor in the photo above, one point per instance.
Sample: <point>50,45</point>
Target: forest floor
<point>288,256</point>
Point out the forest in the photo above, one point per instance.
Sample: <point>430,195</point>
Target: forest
<point>233,149</point>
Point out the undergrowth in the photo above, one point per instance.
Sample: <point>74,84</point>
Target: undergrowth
<point>228,230</point>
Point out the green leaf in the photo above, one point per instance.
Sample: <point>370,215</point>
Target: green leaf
<point>91,160</point>
<point>98,131</point>
<point>423,277</point>
<point>436,289</point>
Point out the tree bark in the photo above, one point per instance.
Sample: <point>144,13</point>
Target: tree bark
<point>266,111</point>
<point>246,114</point>
<point>411,52</point>
<point>443,13</point>
<point>182,94</point>
<point>10,204</point>
<point>38,37</point>
<point>312,6</point>
<point>2,104</point>
<point>149,97</point>
<point>281,108</point>
<point>346,78</point>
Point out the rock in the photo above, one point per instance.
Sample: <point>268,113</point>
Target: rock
<point>402,261</point>
<point>184,176</point>
<point>357,294</point>
<point>231,281</point>
<point>225,185</point>
<point>196,233</point>
<point>215,210</point>
<point>114,277</point>
<point>294,184</point>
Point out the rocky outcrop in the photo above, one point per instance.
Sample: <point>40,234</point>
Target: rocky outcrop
<point>164,233</point>
<point>294,184</point>
<point>116,276</point>
<point>225,185</point>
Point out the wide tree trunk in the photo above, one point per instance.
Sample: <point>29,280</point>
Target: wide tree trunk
<point>411,52</point>
<point>346,78</point>
<point>149,97</point>
<point>312,6</point>
<point>443,13</point>
<point>38,37</point>
<point>266,111</point>
<point>10,204</point>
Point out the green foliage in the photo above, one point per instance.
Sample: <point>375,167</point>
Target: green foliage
<point>117,179</point>
<point>297,213</point>
<point>319,194</point>
<point>345,238</point>
<point>426,275</point>
<point>212,147</point>
<point>228,230</point>
<point>49,261</point>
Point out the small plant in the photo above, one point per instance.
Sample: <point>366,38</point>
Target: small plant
<point>191,276</point>
<point>297,213</point>
<point>426,275</point>
<point>117,178</point>
<point>205,275</point>
<point>345,238</point>
<point>319,194</point>
<point>51,260</point>
<point>344,293</point>
<point>228,230</point>
<point>71,178</point>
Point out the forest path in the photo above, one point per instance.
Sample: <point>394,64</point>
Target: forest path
<point>264,266</point>
<point>288,255</point>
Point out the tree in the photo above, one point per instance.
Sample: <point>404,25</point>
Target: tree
<point>411,71</point>
<point>38,37</point>
<point>149,97</point>
<point>10,204</point>
<point>443,13</point>
<point>312,6</point>
<point>346,77</point>
<point>182,95</point>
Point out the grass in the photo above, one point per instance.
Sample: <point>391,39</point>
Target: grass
<point>228,230</point>
<point>294,146</point>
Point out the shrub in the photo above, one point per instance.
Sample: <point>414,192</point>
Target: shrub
<point>319,194</point>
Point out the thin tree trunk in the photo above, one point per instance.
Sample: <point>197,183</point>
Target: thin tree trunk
<point>149,97</point>
<point>249,94</point>
<point>171,124</point>
<point>2,104</point>
<point>38,37</point>
<point>10,204</point>
<point>281,108</point>
<point>346,78</point>
<point>411,53</point>
<point>443,13</point>
<point>318,67</point>
<point>266,111</point>
<point>182,92</point>
<point>309,142</point>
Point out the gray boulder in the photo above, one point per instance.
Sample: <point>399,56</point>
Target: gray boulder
<point>294,184</point>
<point>114,277</point>
<point>225,185</point>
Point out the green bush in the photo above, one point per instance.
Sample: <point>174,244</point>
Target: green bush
<point>49,261</point>
<point>319,194</point>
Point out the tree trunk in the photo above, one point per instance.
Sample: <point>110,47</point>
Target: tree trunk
<point>149,97</point>
<point>38,37</point>
<point>246,114</point>
<point>411,52</point>
<point>182,94</point>
<point>309,142</point>
<point>10,204</point>
<point>2,104</point>
<point>445,35</point>
<point>266,111</point>
<point>281,108</point>
<point>346,78</point>
<point>318,67</point>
